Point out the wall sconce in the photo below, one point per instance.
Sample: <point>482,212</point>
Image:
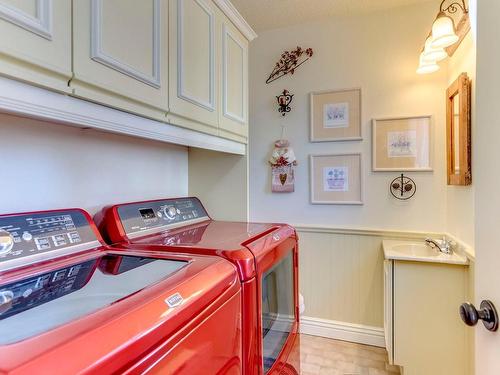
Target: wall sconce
<point>444,37</point>
<point>284,101</point>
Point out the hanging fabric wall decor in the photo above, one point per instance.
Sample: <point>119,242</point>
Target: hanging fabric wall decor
<point>283,163</point>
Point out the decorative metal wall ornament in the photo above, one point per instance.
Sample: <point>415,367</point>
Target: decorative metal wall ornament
<point>289,62</point>
<point>284,101</point>
<point>403,188</point>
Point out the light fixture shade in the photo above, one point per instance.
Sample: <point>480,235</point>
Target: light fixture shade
<point>432,54</point>
<point>443,32</point>
<point>427,67</point>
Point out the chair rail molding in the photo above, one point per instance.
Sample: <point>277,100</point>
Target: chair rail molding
<point>181,93</point>
<point>100,56</point>
<point>29,101</point>
<point>40,25</point>
<point>235,17</point>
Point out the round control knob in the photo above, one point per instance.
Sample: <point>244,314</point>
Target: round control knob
<point>6,242</point>
<point>488,314</point>
<point>170,212</point>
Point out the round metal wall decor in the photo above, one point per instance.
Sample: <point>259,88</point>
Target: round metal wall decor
<point>403,188</point>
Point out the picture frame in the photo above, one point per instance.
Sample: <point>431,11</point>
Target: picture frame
<point>402,144</point>
<point>336,178</point>
<point>335,115</point>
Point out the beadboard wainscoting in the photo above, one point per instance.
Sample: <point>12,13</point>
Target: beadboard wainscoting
<point>341,279</point>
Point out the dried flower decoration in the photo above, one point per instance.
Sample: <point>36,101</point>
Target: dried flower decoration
<point>289,62</point>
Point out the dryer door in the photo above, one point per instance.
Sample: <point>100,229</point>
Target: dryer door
<point>276,256</point>
<point>278,309</point>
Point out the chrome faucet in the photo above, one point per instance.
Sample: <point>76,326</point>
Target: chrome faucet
<point>444,245</point>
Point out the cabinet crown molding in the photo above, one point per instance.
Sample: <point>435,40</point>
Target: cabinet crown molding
<point>236,18</point>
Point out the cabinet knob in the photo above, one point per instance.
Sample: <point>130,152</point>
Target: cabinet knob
<point>488,314</point>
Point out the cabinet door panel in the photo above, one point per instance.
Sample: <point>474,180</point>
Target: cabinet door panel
<point>121,54</point>
<point>36,41</point>
<point>193,90</point>
<point>233,118</point>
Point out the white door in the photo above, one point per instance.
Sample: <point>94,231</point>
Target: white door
<point>486,140</point>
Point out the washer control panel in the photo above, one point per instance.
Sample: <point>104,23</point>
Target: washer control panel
<point>26,235</point>
<point>164,214</point>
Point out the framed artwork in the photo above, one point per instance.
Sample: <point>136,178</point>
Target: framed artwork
<point>336,115</point>
<point>402,144</point>
<point>336,179</point>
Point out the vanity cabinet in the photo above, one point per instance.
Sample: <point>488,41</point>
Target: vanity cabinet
<point>120,54</point>
<point>35,42</point>
<point>424,333</point>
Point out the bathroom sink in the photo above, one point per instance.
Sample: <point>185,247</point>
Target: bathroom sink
<point>419,251</point>
<point>416,249</point>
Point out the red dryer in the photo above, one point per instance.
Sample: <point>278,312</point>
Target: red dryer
<point>71,305</point>
<point>265,255</point>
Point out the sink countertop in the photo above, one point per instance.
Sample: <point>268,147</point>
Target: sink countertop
<point>418,251</point>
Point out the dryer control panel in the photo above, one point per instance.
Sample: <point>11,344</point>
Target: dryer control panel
<point>27,238</point>
<point>149,217</point>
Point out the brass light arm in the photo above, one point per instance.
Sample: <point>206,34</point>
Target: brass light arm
<point>453,7</point>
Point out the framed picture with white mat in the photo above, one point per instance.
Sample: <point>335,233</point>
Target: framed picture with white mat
<point>336,179</point>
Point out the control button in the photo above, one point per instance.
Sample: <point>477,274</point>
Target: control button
<point>59,240</point>
<point>59,275</point>
<point>6,242</point>
<point>74,237</point>
<point>42,281</point>
<point>6,299</point>
<point>42,243</point>
<point>27,236</point>
<point>73,271</point>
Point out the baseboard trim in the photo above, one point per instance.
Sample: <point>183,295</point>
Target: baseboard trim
<point>332,329</point>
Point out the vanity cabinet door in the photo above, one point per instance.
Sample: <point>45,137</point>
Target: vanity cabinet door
<point>388,309</point>
<point>121,54</point>
<point>193,65</point>
<point>429,337</point>
<point>35,42</point>
<point>234,72</point>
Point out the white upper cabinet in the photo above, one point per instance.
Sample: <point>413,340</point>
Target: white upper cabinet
<point>120,54</point>
<point>194,76</point>
<point>233,118</point>
<point>35,42</point>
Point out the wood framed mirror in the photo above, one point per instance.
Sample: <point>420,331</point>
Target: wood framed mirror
<point>458,131</point>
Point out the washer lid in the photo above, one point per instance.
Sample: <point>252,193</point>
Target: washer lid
<point>103,309</point>
<point>39,303</point>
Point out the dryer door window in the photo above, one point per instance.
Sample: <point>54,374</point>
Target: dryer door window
<point>278,313</point>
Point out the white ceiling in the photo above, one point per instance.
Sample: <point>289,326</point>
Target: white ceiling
<point>271,14</point>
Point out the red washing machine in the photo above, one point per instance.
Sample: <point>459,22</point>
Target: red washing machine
<point>265,255</point>
<point>71,305</point>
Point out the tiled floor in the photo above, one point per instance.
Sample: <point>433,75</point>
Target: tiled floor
<point>322,356</point>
